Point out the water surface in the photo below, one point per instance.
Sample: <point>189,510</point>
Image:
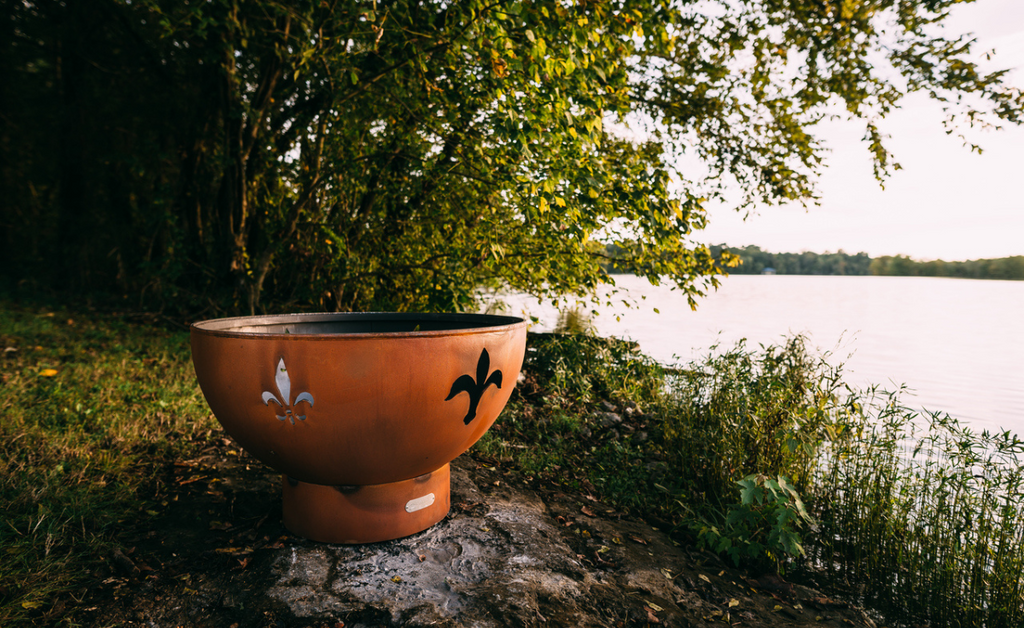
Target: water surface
<point>957,343</point>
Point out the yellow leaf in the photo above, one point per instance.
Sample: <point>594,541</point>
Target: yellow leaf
<point>48,372</point>
<point>704,578</point>
<point>396,579</point>
<point>654,607</point>
<point>30,605</point>
<point>559,201</point>
<point>733,602</point>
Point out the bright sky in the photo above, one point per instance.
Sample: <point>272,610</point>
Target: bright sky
<point>946,203</point>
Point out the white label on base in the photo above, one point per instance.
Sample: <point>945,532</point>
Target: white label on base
<point>419,503</point>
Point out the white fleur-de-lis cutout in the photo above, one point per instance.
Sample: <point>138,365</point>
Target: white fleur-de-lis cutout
<point>284,386</point>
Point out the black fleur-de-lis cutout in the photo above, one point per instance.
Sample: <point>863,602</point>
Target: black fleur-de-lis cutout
<point>476,387</point>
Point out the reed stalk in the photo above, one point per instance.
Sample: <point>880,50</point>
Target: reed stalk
<point>922,516</point>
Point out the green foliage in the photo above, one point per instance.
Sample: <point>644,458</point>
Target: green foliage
<point>234,155</point>
<point>762,529</point>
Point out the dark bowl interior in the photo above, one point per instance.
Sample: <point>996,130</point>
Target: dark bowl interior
<point>372,323</point>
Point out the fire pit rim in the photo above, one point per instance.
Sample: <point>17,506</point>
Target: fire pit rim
<point>227,327</point>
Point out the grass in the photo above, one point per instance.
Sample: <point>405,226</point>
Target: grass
<point>92,409</point>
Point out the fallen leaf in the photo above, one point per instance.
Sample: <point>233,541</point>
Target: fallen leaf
<point>638,540</point>
<point>587,511</point>
<point>654,606</point>
<point>616,540</point>
<point>603,549</point>
<point>704,578</point>
<point>48,372</point>
<point>777,608</point>
<point>733,602</point>
<point>31,605</point>
<point>721,573</point>
<point>651,617</point>
<point>666,573</point>
<point>396,579</point>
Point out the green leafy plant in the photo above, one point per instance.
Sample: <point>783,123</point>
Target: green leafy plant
<point>763,528</point>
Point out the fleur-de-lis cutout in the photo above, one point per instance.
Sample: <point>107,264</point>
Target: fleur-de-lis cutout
<point>284,386</point>
<point>476,387</point>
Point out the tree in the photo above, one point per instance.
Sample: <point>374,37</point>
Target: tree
<point>399,155</point>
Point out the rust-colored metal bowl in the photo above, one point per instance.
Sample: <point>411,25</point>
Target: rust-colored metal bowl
<point>358,409</point>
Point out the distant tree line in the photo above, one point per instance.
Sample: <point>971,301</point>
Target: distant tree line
<point>752,260</point>
<point>1000,268</point>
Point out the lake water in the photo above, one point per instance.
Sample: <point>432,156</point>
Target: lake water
<point>957,344</point>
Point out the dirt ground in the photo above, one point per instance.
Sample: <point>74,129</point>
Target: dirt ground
<point>507,555</point>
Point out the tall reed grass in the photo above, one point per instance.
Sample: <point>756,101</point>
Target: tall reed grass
<point>923,516</point>
<point>915,514</point>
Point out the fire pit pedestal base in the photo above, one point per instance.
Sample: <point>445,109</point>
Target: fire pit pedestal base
<point>368,513</point>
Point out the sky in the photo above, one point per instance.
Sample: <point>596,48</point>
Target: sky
<point>946,203</point>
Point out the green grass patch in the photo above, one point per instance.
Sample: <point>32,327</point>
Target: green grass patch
<point>93,408</point>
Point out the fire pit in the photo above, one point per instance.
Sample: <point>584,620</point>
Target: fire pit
<point>361,413</point>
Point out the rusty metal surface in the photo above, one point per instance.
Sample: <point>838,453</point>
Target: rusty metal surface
<point>357,399</point>
<point>366,514</point>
